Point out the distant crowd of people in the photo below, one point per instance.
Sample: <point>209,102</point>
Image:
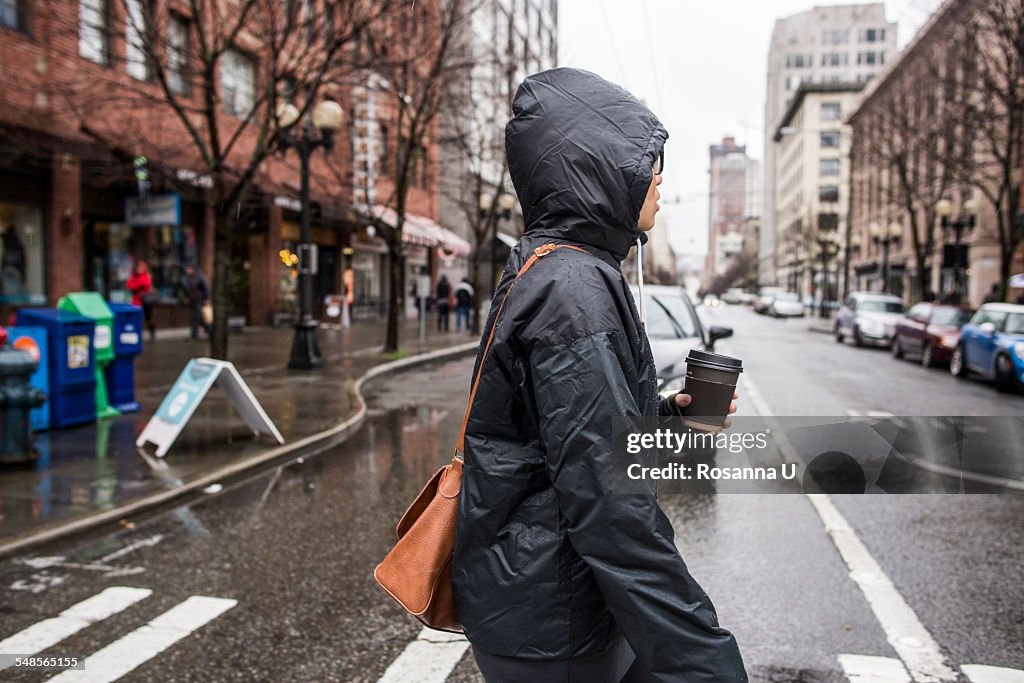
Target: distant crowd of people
<point>461,298</point>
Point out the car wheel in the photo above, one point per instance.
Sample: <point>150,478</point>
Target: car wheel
<point>957,366</point>
<point>927,359</point>
<point>857,339</point>
<point>839,334</point>
<point>897,348</point>
<point>1004,374</point>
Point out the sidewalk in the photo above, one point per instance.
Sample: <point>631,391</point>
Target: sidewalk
<point>90,475</point>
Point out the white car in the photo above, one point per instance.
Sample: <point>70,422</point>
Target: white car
<point>786,305</point>
<point>869,318</point>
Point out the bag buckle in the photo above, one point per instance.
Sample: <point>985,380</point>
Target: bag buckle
<point>545,249</point>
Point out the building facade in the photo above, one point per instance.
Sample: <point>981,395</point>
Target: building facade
<point>813,188</point>
<point>731,175</point>
<point>910,143</point>
<point>836,44</point>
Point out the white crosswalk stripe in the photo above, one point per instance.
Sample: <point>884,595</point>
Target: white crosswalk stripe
<point>428,659</point>
<point>862,669</point>
<point>46,634</point>
<point>142,644</point>
<point>978,673</point>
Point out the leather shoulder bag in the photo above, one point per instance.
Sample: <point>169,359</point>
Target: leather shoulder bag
<point>417,572</point>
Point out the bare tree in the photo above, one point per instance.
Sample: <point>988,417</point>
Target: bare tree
<point>211,76</point>
<point>413,71</point>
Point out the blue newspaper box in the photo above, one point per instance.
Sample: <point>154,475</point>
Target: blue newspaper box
<point>127,345</point>
<point>35,341</point>
<point>71,366</point>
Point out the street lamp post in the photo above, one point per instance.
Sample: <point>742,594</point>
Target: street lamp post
<point>884,237</point>
<point>828,247</point>
<point>962,223</point>
<point>316,130</point>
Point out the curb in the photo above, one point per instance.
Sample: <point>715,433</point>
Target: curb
<point>336,434</point>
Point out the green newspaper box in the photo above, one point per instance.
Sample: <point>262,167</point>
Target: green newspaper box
<point>92,305</point>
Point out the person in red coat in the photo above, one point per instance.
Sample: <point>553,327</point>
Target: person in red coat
<point>140,284</point>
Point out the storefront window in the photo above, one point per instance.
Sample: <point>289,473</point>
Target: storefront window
<point>22,277</point>
<point>166,251</point>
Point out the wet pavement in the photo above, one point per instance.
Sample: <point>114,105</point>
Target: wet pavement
<point>295,546</point>
<point>95,468</point>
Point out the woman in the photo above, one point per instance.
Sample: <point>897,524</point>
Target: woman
<point>140,284</point>
<point>555,577</point>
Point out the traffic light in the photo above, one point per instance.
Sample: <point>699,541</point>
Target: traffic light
<point>142,176</point>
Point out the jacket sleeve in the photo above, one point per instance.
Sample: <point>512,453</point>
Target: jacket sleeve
<point>626,539</point>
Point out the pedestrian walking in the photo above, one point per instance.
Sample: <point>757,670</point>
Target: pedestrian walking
<point>993,294</point>
<point>442,292</point>
<point>464,298</point>
<point>197,291</point>
<point>555,576</point>
<point>140,284</point>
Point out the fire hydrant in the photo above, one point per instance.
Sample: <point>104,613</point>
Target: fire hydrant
<point>17,399</point>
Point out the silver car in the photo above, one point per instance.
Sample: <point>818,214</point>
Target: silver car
<point>869,318</point>
<point>674,328</point>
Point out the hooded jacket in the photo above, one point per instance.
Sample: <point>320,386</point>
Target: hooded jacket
<point>549,563</point>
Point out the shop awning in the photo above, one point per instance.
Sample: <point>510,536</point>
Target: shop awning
<point>422,231</point>
<point>508,240</point>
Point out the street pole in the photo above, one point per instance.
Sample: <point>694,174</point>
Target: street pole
<point>824,282</point>
<point>305,346</point>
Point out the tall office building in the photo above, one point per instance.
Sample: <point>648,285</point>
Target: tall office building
<point>840,44</point>
<point>732,177</point>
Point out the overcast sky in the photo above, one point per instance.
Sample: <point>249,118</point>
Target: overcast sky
<point>701,67</point>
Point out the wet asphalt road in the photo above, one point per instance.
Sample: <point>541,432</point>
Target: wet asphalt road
<point>296,546</point>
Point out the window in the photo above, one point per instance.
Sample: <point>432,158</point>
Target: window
<point>833,37</point>
<point>798,61</point>
<point>830,139</point>
<point>178,51</point>
<point>828,193</point>
<point>872,35</point>
<point>237,83</point>
<point>834,59</point>
<point>830,111</point>
<point>135,50</point>
<point>828,222</point>
<point>93,41</point>
<point>384,150</point>
<point>13,15</point>
<point>829,167</point>
<point>868,58</point>
<point>424,162</point>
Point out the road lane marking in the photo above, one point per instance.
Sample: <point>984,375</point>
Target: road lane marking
<point>979,673</point>
<point>904,631</point>
<point>863,669</point>
<point>131,547</point>
<point>145,642</point>
<point>46,634</point>
<point>428,659</point>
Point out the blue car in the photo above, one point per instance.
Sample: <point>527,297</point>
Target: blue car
<point>992,345</point>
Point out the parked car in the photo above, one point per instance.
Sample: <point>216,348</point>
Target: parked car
<point>674,328</point>
<point>929,332</point>
<point>748,298</point>
<point>992,345</point>
<point>764,298</point>
<point>868,318</point>
<point>710,300</point>
<point>786,305</point>
<point>733,295</point>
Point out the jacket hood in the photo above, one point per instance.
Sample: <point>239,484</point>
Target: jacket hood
<point>580,153</point>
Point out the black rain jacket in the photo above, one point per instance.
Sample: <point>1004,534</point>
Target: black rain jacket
<point>548,563</point>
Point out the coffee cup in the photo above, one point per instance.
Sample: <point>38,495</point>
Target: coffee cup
<point>710,382</point>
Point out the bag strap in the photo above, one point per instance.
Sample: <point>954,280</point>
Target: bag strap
<point>538,253</point>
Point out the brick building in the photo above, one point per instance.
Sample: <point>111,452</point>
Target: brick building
<point>81,103</point>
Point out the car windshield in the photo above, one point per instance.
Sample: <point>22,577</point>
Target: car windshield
<point>1014,323</point>
<point>787,296</point>
<point>878,306</point>
<point>668,317</point>
<point>950,316</point>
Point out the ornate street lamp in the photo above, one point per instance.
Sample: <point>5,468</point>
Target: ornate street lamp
<point>884,237</point>
<point>315,130</point>
<point>965,222</point>
<point>828,248</point>
<point>506,203</point>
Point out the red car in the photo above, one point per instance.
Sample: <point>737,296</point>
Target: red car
<point>930,332</point>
